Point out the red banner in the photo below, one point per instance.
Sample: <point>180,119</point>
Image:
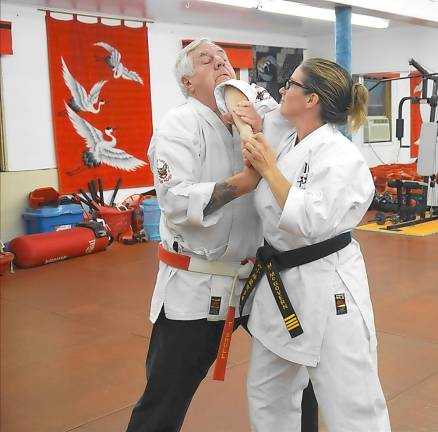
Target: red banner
<point>239,55</point>
<point>5,38</point>
<point>101,103</point>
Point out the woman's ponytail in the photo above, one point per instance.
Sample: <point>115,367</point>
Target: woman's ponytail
<point>359,104</point>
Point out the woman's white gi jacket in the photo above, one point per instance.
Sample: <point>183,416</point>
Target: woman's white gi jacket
<point>331,190</point>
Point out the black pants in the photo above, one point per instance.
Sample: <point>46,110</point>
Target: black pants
<point>180,355</point>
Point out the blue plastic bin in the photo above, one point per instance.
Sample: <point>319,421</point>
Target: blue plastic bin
<point>45,219</point>
<point>152,215</point>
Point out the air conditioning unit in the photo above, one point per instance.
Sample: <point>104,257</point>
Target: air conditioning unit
<point>377,129</point>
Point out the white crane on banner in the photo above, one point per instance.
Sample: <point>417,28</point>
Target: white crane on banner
<point>100,150</point>
<point>114,62</point>
<point>80,100</point>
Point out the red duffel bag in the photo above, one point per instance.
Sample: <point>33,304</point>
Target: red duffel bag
<point>44,248</point>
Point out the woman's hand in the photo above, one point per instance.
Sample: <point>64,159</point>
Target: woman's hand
<point>247,113</point>
<point>260,154</point>
<point>246,162</point>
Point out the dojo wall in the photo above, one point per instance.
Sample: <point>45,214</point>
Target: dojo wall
<point>386,51</point>
<point>26,98</point>
<point>26,90</point>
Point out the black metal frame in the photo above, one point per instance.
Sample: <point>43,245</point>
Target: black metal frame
<point>430,181</point>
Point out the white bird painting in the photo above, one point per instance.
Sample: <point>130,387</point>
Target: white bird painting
<point>81,100</point>
<point>114,62</point>
<point>101,150</point>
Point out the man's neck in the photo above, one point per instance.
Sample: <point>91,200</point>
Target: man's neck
<point>213,106</point>
<point>209,102</point>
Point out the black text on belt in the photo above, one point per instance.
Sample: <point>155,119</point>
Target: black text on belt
<point>271,261</point>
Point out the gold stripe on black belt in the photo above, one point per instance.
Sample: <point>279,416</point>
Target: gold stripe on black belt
<point>290,318</point>
<point>271,262</point>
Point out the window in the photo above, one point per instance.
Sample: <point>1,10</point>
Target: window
<point>378,126</point>
<point>379,98</point>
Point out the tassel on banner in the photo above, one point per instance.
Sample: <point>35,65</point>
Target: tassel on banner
<point>75,13</point>
<point>6,38</point>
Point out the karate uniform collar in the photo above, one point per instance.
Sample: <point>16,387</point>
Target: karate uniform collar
<point>317,135</point>
<point>207,113</point>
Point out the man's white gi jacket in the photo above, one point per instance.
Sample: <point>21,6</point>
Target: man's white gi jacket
<point>189,154</point>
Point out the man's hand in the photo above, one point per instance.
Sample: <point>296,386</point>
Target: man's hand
<point>227,118</point>
<point>250,178</point>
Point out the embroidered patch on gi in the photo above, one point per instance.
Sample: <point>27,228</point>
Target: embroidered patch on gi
<point>215,305</point>
<point>303,177</point>
<point>163,171</point>
<point>341,306</point>
<point>262,94</point>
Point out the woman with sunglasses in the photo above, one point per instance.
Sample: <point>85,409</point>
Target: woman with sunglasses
<point>311,303</point>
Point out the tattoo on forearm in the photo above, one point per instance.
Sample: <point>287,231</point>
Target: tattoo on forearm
<point>222,194</point>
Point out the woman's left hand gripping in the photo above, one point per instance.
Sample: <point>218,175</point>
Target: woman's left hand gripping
<point>260,154</point>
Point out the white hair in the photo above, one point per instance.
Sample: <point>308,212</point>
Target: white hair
<point>184,64</point>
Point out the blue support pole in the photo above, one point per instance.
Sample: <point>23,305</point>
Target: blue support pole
<point>343,44</point>
<point>343,36</point>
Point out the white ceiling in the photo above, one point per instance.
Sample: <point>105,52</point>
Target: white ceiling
<point>200,13</point>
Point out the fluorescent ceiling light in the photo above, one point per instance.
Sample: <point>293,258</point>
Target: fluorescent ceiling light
<point>239,3</point>
<point>305,11</point>
<point>368,21</point>
<point>296,9</point>
<point>302,10</point>
<point>421,9</point>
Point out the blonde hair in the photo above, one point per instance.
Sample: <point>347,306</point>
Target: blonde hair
<point>341,101</point>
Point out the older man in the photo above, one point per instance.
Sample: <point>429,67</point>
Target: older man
<point>198,174</point>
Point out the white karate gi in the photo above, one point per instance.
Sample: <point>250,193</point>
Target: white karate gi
<point>191,151</point>
<point>331,191</point>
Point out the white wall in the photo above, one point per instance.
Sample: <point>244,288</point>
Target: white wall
<point>26,93</point>
<point>25,76</point>
<point>383,50</point>
<point>386,50</point>
<point>167,38</point>
<point>26,89</point>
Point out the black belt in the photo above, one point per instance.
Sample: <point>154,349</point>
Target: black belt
<point>271,261</point>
